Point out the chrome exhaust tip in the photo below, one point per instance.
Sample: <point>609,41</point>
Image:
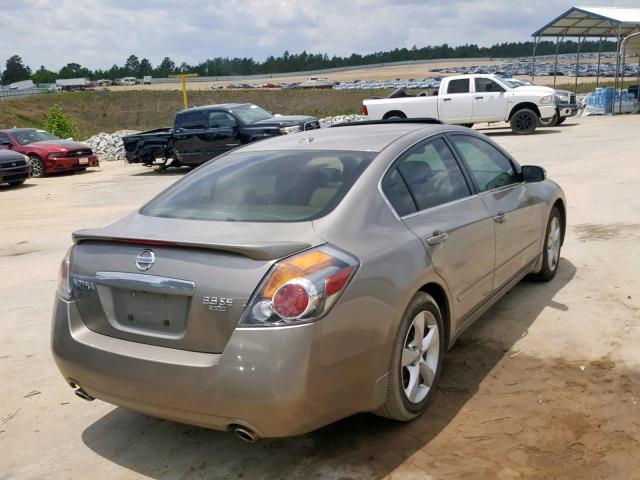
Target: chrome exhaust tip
<point>83,395</point>
<point>244,434</point>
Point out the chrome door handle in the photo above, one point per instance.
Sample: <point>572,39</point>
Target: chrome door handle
<point>500,217</point>
<point>438,237</point>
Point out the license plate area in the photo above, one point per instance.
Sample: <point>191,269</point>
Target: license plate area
<point>83,161</point>
<point>146,312</point>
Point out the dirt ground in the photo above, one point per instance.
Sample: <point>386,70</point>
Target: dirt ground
<point>545,386</point>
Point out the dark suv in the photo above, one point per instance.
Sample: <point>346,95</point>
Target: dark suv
<point>14,168</point>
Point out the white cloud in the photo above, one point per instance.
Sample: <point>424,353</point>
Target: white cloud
<point>100,33</point>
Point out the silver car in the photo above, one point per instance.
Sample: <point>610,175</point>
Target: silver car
<point>301,279</point>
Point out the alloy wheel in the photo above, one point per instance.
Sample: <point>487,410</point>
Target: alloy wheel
<point>420,356</point>
<point>553,244</point>
<point>37,169</point>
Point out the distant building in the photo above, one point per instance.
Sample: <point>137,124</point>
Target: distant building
<point>72,84</point>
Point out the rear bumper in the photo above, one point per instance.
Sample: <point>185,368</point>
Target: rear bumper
<point>65,164</point>
<point>266,379</point>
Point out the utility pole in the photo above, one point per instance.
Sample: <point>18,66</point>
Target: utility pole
<point>184,77</point>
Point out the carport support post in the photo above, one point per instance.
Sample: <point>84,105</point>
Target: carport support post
<point>536,40</point>
<point>599,57</point>
<point>555,68</point>
<point>577,67</point>
<point>624,57</point>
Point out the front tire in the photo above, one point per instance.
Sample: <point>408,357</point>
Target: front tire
<point>561,120</point>
<point>552,247</point>
<point>524,122</point>
<point>468,125</point>
<point>15,184</point>
<point>37,166</point>
<point>416,360</point>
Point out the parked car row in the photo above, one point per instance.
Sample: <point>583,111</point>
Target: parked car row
<point>37,153</point>
<point>545,66</point>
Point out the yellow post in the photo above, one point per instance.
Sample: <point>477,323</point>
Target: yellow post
<point>184,77</point>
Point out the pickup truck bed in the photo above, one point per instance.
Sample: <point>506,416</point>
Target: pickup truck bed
<point>145,147</point>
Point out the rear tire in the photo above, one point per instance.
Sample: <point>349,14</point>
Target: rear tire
<point>416,360</point>
<point>15,184</point>
<point>37,166</point>
<point>524,122</point>
<point>468,125</point>
<point>551,248</point>
<point>551,122</point>
<point>561,120</point>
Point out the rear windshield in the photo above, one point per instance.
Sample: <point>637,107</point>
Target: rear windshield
<point>289,186</point>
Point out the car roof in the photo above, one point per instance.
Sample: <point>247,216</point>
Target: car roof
<point>222,106</point>
<point>372,138</point>
<point>13,130</point>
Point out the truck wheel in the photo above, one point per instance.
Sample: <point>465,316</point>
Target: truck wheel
<point>392,115</point>
<point>561,120</point>
<point>549,122</point>
<point>524,122</point>
<point>37,166</point>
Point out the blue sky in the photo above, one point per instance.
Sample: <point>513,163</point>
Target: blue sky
<point>99,33</point>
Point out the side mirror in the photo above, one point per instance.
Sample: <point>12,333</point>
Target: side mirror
<point>533,173</point>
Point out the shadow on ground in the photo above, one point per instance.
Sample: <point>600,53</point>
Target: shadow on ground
<point>362,446</point>
<point>169,172</point>
<point>501,132</point>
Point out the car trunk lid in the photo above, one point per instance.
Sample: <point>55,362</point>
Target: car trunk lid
<point>184,288</point>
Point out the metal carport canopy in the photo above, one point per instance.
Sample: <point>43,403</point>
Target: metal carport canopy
<point>593,22</point>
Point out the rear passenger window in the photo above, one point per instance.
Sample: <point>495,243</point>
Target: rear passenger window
<point>488,166</point>
<point>458,86</point>
<point>397,192</point>
<point>191,120</point>
<point>432,175</point>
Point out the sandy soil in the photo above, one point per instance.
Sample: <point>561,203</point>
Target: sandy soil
<point>545,386</point>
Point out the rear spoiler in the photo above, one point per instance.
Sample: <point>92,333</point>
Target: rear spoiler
<point>256,251</point>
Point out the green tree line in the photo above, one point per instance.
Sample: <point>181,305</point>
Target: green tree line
<point>15,69</point>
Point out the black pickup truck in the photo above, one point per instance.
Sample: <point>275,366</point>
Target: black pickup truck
<point>202,133</point>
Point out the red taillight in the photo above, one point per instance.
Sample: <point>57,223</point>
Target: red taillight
<point>301,288</point>
<point>291,300</point>
<point>364,110</point>
<point>337,281</point>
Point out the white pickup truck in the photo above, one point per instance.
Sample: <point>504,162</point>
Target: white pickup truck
<point>469,99</point>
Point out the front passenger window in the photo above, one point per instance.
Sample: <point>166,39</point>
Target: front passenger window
<point>221,120</point>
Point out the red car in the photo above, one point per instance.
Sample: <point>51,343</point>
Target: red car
<point>47,153</point>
